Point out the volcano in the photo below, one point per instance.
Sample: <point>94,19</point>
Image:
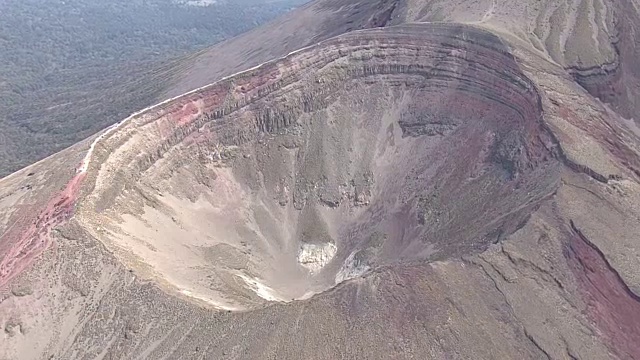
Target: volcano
<point>357,179</point>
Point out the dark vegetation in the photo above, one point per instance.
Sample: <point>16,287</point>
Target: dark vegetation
<point>69,68</point>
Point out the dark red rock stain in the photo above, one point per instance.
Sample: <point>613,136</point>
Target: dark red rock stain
<point>186,113</point>
<point>249,84</point>
<point>30,241</point>
<point>610,304</point>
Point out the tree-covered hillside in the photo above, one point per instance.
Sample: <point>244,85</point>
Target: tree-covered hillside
<point>68,68</point>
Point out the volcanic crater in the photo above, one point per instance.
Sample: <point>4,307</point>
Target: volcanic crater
<point>462,182</point>
<point>376,147</point>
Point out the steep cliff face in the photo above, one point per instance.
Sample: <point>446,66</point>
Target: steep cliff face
<point>425,190</point>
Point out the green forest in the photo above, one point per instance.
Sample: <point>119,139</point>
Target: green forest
<point>69,68</point>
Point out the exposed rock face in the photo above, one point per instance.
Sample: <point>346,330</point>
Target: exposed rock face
<point>425,190</point>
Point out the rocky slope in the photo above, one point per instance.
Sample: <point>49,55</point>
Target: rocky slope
<point>426,190</point>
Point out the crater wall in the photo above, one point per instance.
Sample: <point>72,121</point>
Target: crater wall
<point>376,147</point>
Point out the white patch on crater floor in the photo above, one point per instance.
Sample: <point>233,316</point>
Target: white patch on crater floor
<point>261,289</point>
<point>315,256</point>
<point>352,268</point>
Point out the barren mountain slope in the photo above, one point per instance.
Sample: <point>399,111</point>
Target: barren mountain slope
<point>424,190</point>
